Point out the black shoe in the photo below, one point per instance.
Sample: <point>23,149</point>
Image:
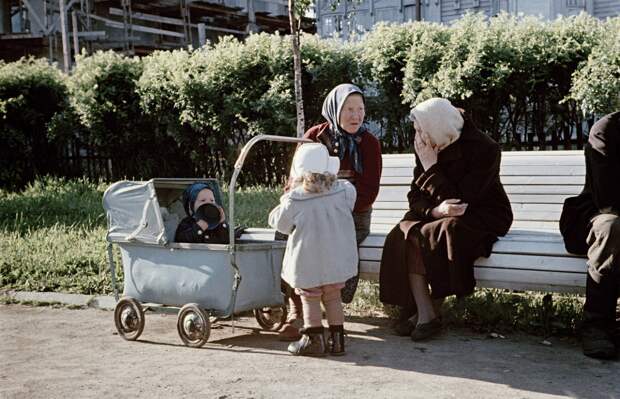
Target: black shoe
<point>335,341</point>
<point>311,343</point>
<point>426,330</point>
<point>404,328</point>
<point>597,341</point>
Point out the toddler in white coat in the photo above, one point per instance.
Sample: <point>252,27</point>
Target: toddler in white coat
<point>321,251</point>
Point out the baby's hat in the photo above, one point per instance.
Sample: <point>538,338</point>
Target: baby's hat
<point>191,193</point>
<point>313,158</point>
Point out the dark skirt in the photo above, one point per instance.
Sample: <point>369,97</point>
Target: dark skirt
<point>448,246</point>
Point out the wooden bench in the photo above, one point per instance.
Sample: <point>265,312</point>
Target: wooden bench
<point>532,255</point>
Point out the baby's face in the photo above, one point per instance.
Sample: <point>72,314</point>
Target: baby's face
<point>205,196</point>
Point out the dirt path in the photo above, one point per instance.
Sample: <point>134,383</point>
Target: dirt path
<point>61,353</point>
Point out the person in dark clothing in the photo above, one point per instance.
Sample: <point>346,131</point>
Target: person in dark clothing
<point>457,209</point>
<point>200,225</point>
<point>590,225</point>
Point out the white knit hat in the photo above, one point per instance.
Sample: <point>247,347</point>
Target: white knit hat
<point>439,119</point>
<point>313,158</point>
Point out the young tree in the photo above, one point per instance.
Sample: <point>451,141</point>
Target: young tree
<point>296,11</point>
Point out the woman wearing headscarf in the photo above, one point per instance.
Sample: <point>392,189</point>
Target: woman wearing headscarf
<point>346,136</point>
<point>457,209</point>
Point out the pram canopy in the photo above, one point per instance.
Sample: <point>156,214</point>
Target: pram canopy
<point>148,211</point>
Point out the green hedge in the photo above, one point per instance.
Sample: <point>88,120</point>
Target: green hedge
<point>596,86</point>
<point>526,82</point>
<point>216,98</point>
<point>33,100</point>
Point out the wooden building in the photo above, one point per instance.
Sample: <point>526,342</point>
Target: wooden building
<point>348,18</point>
<point>57,29</point>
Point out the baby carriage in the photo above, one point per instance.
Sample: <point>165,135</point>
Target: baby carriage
<point>202,282</point>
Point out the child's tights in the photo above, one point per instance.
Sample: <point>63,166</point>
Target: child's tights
<point>311,302</point>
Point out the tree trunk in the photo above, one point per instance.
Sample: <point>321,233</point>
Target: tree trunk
<point>295,35</point>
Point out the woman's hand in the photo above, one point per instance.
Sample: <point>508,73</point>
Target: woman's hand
<point>425,150</point>
<point>405,226</point>
<point>448,208</point>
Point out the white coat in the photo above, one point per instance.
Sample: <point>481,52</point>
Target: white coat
<point>321,247</point>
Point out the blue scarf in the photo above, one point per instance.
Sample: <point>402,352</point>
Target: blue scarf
<point>347,143</point>
<point>191,193</point>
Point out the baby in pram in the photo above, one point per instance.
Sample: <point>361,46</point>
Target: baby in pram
<point>205,221</point>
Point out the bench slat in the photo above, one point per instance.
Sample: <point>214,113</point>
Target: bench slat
<point>405,179</point>
<point>395,180</point>
<point>513,279</point>
<point>530,280</point>
<point>372,267</point>
<point>393,194</point>
<point>520,220</point>
<point>551,170</point>
<point>400,205</point>
<point>542,189</point>
<point>396,172</point>
<point>399,194</point>
<point>538,215</point>
<point>401,162</point>
<point>529,225</point>
<point>534,198</point>
<point>387,216</point>
<point>546,161</point>
<point>546,180</point>
<point>535,224</point>
<point>404,206</point>
<point>524,224</point>
<point>534,262</point>
<point>533,248</point>
<point>532,236</point>
<point>507,163</point>
<point>376,240</point>
<point>546,153</point>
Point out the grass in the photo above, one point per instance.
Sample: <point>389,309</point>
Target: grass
<point>52,202</point>
<point>490,310</point>
<point>52,238</point>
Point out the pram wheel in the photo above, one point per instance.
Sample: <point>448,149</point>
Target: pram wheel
<point>129,318</point>
<point>193,325</point>
<point>271,319</point>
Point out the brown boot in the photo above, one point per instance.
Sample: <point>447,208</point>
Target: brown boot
<point>290,329</point>
<point>312,343</point>
<point>336,340</point>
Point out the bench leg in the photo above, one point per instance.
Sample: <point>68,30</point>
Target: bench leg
<point>547,315</point>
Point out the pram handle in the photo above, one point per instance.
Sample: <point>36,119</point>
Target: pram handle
<point>233,180</point>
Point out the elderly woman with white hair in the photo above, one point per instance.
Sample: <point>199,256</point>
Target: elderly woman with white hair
<point>457,209</point>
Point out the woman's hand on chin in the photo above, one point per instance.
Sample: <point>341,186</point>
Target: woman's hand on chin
<point>425,150</point>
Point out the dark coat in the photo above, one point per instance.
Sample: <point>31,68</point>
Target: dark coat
<point>189,231</point>
<point>601,192</point>
<point>468,170</point>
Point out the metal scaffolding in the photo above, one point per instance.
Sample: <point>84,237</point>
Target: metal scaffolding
<point>61,29</point>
